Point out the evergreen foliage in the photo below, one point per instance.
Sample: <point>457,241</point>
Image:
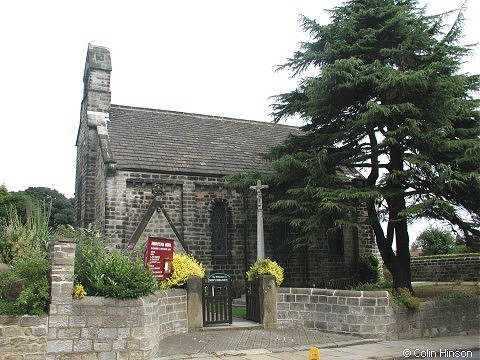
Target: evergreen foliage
<point>368,269</point>
<point>387,101</point>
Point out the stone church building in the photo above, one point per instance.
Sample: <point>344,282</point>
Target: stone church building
<point>129,157</point>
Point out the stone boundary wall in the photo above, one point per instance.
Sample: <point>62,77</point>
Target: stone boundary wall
<point>96,327</point>
<point>373,314</point>
<point>438,318</point>
<point>466,268</point>
<point>101,328</point>
<point>23,337</point>
<point>120,329</point>
<point>366,313</point>
<point>92,327</point>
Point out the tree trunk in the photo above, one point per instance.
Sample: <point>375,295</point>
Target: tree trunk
<point>399,267</point>
<point>397,263</point>
<point>403,276</point>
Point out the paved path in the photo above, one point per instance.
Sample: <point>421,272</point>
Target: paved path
<point>295,344</point>
<point>238,340</point>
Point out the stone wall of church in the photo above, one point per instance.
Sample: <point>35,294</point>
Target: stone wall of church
<point>188,201</point>
<point>87,165</point>
<point>315,265</point>
<point>99,190</point>
<point>90,170</point>
<point>366,236</point>
<point>90,178</point>
<point>81,171</point>
<point>319,263</point>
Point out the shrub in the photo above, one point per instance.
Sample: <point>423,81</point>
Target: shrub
<point>109,273</point>
<point>405,300</point>
<point>387,281</point>
<point>364,287</point>
<point>19,238</point>
<point>184,266</point>
<point>461,249</point>
<point>124,279</point>
<point>266,267</point>
<point>26,287</point>
<point>368,269</point>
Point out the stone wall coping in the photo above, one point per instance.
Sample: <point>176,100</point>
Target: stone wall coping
<point>378,293</point>
<point>443,258</point>
<point>23,320</point>
<point>105,301</point>
<point>65,240</point>
<point>333,292</point>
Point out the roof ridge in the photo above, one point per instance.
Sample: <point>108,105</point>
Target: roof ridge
<point>127,107</point>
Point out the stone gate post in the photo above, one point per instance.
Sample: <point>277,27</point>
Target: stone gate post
<point>194,303</point>
<point>63,263</point>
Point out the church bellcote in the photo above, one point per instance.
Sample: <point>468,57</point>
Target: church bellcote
<point>96,78</point>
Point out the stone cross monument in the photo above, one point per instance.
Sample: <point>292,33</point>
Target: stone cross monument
<point>260,241</point>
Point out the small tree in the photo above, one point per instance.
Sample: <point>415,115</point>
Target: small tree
<point>9,200</point>
<point>435,241</point>
<point>62,208</point>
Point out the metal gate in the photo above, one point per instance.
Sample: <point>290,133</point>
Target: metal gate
<point>253,300</point>
<point>217,297</point>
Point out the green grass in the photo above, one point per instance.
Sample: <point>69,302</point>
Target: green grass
<point>446,291</point>
<point>434,291</point>
<point>239,312</point>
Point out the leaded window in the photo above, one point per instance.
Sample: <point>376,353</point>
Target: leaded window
<point>219,223</point>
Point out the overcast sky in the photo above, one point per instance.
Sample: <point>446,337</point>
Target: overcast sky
<point>208,57</point>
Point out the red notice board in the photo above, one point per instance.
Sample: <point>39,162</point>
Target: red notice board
<point>159,256</point>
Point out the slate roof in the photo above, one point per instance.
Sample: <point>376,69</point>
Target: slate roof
<point>175,142</point>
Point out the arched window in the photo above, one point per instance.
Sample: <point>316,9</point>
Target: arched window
<point>219,221</point>
<point>335,242</point>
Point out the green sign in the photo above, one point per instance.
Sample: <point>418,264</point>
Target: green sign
<point>219,277</point>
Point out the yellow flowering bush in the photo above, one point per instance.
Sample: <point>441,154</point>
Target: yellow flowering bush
<point>184,266</point>
<point>266,267</point>
<point>79,292</point>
